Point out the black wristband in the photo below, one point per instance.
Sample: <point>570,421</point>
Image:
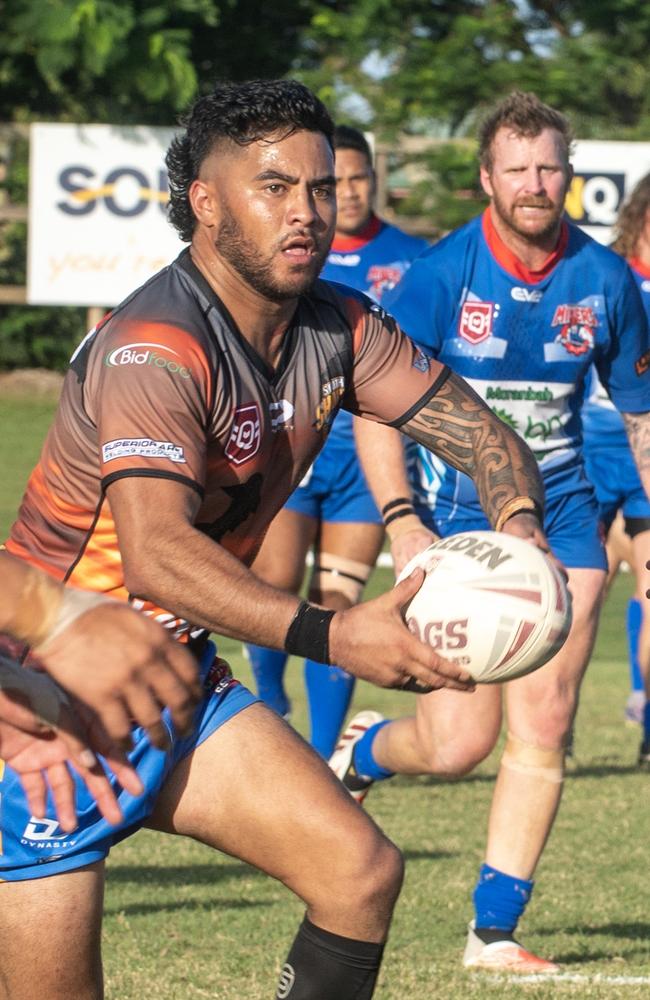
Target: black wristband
<point>404,512</point>
<point>399,502</point>
<point>309,631</point>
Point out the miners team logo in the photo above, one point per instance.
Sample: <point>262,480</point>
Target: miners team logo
<point>476,320</point>
<point>577,325</point>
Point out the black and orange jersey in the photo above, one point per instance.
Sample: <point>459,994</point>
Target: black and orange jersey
<point>167,387</point>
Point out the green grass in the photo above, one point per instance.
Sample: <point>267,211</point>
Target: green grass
<point>183,922</point>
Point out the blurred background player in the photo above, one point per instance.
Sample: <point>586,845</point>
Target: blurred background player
<point>333,509</point>
<point>520,303</point>
<point>613,472</point>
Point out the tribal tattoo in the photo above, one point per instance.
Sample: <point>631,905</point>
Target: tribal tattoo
<point>457,425</point>
<point>637,426</point>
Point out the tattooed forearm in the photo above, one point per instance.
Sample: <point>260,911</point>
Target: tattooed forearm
<point>459,427</point>
<point>637,426</point>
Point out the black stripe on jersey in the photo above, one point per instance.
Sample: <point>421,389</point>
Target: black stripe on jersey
<point>87,537</point>
<point>439,382</point>
<point>153,474</point>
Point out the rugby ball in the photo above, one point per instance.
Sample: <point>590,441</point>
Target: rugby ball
<point>492,603</point>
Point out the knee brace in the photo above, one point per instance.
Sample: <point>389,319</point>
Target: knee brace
<point>344,576</point>
<point>533,761</point>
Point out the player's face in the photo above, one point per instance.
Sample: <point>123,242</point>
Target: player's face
<point>355,190</point>
<point>275,208</point>
<point>528,182</point>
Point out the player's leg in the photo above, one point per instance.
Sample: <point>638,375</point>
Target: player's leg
<point>620,549</point>
<point>281,563</point>
<point>540,711</point>
<point>275,804</point>
<point>639,530</point>
<point>50,931</point>
<point>345,555</point>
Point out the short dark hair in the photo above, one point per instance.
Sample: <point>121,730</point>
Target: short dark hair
<point>524,114</point>
<point>346,137</point>
<point>631,219</point>
<point>243,113</point>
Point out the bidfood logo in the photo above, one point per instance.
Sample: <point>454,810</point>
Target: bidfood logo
<point>142,353</point>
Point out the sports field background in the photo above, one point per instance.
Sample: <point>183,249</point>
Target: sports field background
<point>183,922</point>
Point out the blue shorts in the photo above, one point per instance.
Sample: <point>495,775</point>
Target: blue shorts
<point>571,520</point>
<point>35,848</point>
<point>615,477</point>
<point>335,489</point>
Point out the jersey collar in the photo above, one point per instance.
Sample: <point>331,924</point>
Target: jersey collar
<point>511,263</point>
<point>639,266</point>
<point>344,244</point>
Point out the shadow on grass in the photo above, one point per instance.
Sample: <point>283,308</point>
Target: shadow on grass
<point>175,875</point>
<point>620,932</point>
<point>428,855</point>
<point>186,906</point>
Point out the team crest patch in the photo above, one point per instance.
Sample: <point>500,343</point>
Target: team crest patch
<point>331,392</point>
<point>245,435</point>
<point>642,365</point>
<point>476,321</point>
<point>577,325</point>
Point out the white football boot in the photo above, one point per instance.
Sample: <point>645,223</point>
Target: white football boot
<point>506,955</point>
<point>341,759</point>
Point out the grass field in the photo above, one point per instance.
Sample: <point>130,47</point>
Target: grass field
<point>184,923</point>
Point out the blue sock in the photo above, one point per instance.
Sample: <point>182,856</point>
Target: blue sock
<point>329,691</point>
<point>364,763</point>
<point>646,723</point>
<point>268,669</point>
<point>633,624</point>
<point>499,899</point>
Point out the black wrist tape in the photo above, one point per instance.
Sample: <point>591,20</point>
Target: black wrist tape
<point>404,512</point>
<point>399,502</point>
<point>309,632</point>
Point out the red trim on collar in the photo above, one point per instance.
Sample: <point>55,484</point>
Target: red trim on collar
<point>508,260</point>
<point>639,266</point>
<point>344,244</point>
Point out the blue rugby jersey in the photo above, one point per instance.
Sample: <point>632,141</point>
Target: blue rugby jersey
<point>524,341</point>
<point>372,262</point>
<point>602,424</point>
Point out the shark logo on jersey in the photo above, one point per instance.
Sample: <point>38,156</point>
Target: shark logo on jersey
<point>476,321</point>
<point>577,328</point>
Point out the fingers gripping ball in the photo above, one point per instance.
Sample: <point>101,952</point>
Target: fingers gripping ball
<point>492,603</point>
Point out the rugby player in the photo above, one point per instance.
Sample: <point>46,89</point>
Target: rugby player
<point>186,418</point>
<point>521,303</point>
<point>136,667</point>
<point>333,509</point>
<point>612,470</point>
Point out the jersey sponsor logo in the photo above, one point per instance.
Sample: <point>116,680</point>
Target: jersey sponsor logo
<point>594,199</point>
<point>520,294</point>
<point>331,392</point>
<point>383,277</point>
<point>282,414</point>
<point>245,435</point>
<point>535,395</point>
<point>476,321</point>
<point>144,448</point>
<point>642,364</point>
<point>140,353</point>
<point>577,328</point>
<point>344,259</point>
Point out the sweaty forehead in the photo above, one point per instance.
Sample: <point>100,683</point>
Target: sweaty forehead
<point>298,154</point>
<point>509,146</point>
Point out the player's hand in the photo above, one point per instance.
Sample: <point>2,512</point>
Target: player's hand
<point>408,537</point>
<point>125,667</point>
<point>527,526</point>
<point>40,752</point>
<point>372,641</point>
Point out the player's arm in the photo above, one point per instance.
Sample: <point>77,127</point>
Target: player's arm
<point>119,663</point>
<point>637,426</point>
<point>182,569</point>
<point>381,451</point>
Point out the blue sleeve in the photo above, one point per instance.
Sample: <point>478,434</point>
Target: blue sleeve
<point>624,368</point>
<point>423,302</point>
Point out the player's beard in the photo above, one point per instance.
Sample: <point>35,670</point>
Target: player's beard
<point>245,257</point>
<point>547,227</point>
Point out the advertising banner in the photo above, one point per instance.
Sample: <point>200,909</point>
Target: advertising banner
<point>97,212</point>
<point>604,174</point>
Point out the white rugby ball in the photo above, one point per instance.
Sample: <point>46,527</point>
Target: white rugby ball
<point>491,603</point>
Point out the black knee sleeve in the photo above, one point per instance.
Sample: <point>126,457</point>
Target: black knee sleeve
<point>325,966</point>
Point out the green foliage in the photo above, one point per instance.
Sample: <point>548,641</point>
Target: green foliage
<point>447,190</point>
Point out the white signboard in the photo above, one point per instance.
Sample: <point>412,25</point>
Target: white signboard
<point>97,212</point>
<point>605,173</point>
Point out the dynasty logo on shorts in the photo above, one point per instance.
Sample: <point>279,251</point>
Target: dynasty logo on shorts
<point>476,321</point>
<point>245,436</point>
<point>44,835</point>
